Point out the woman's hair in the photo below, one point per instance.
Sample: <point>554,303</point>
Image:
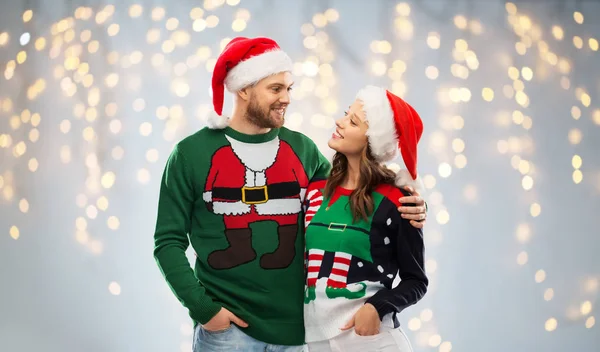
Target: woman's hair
<point>372,174</point>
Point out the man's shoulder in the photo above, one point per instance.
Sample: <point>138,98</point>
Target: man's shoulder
<point>292,137</point>
<point>198,140</point>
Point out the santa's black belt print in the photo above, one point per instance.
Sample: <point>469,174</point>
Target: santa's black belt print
<point>253,195</point>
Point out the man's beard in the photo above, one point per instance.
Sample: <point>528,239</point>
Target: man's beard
<point>261,118</point>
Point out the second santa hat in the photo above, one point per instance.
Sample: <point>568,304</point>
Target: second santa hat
<point>244,61</point>
<point>393,125</point>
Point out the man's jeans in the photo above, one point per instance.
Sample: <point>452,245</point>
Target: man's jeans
<point>233,339</point>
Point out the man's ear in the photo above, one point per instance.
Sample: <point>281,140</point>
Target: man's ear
<point>244,93</point>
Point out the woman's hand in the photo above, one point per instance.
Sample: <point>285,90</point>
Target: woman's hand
<point>366,321</point>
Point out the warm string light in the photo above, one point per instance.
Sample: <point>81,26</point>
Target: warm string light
<point>563,66</point>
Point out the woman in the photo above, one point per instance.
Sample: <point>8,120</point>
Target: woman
<point>356,240</point>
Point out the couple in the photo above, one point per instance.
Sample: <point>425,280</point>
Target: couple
<point>290,249</point>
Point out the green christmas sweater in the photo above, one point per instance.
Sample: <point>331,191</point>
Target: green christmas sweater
<point>353,263</point>
<point>237,199</point>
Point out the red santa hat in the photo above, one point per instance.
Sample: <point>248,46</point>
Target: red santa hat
<point>244,61</point>
<point>393,125</point>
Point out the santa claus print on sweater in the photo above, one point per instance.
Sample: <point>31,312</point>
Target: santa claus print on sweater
<point>248,183</point>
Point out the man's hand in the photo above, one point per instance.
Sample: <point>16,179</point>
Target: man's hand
<point>417,213</point>
<point>366,321</point>
<point>223,320</point>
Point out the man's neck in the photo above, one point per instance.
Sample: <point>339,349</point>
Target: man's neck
<point>239,123</point>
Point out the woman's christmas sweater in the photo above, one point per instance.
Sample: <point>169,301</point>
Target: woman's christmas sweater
<point>351,263</point>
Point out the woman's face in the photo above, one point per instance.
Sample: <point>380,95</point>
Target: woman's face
<point>350,136</point>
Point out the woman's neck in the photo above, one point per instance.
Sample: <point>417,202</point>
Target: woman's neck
<point>353,175</point>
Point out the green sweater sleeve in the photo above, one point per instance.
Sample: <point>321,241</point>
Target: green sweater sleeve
<point>175,207</point>
<point>323,166</point>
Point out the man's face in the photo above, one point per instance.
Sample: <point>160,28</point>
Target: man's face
<point>268,100</point>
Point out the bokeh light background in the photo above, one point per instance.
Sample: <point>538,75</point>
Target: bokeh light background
<point>93,96</point>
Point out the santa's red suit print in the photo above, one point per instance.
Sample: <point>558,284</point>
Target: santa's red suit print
<point>247,185</point>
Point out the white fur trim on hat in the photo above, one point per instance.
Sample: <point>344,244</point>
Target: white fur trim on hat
<point>403,178</point>
<point>214,121</point>
<point>382,135</point>
<point>256,68</point>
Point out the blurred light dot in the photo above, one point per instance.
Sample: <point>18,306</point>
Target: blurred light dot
<point>578,42</point>
<point>470,193</point>
<point>430,266</point>
<point>435,340</point>
<point>96,247</point>
<point>135,10</point>
<point>113,29</point>
<point>115,126</point>
<point>81,223</point>
<point>212,21</point>
<point>143,176</point>
<point>378,68</point>
<point>108,179</point>
<point>145,129</point>
<point>433,40</point>
<point>25,38</point>
<point>575,136</point>
<point>113,223</point>
<point>460,22</point>
<point>14,232</point>
<point>577,176</point>
<point>586,99</point>
<point>139,105</point>
<point>172,24</point>
<point>460,161</point>
<point>429,181</point>
<point>118,153</point>
<point>27,16</point>
<point>65,154</point>
<point>578,17</point>
<point>114,288</point>
<point>548,294</point>
<point>593,43</point>
<point>596,116</point>
<point>152,155</point>
<point>527,73</point>
<point>551,324</point>
<point>458,145</point>
<point>487,94</point>
<point>522,258</point>
<point>523,233</point>
<point>81,200</point>
<point>535,209</point>
<point>540,276</point>
<point>158,13</point>
<point>445,346</point>
<point>445,170</point>
<point>590,322</point>
<point>558,32</point>
<point>414,324</point>
<point>91,212</point>
<point>443,217</point>
<point>432,72</point>
<point>576,161</point>
<point>586,307</point>
<point>102,203</point>
<point>576,112</point>
<point>527,183</point>
<point>33,164</point>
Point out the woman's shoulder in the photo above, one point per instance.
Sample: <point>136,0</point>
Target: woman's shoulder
<point>392,193</point>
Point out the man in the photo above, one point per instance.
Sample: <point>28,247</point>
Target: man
<point>237,189</point>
